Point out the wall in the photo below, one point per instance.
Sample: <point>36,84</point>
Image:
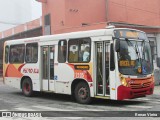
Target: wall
<point>69,15</point>
<point>22,28</point>
<point>56,9</point>
<point>82,11</point>
<point>143,12</point>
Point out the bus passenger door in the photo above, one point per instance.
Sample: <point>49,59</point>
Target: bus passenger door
<point>48,68</point>
<point>102,53</point>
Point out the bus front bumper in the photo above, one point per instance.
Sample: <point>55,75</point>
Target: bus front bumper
<point>128,93</point>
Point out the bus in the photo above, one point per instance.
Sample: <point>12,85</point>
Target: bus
<point>110,63</point>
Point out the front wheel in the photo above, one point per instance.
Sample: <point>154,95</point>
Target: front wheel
<point>27,87</point>
<point>82,93</point>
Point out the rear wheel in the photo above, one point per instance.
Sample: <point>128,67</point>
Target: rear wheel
<point>27,87</point>
<point>82,93</point>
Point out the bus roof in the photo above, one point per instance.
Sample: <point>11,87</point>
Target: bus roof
<point>71,35</point>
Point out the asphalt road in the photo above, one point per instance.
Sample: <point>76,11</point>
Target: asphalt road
<point>62,107</point>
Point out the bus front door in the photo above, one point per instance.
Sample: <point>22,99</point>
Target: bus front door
<point>48,68</point>
<point>102,68</point>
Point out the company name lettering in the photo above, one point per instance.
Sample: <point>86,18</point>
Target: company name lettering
<point>30,70</point>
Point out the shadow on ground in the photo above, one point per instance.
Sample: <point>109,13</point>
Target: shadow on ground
<point>67,98</point>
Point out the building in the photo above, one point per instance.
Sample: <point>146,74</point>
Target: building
<point>61,16</point>
<point>70,15</point>
<point>29,29</point>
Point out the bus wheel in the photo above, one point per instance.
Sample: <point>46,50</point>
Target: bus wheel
<point>27,87</point>
<point>82,93</point>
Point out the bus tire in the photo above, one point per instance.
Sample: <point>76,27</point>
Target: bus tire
<point>82,93</point>
<point>27,87</point>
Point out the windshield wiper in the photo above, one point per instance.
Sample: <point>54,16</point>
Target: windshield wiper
<point>136,50</point>
<point>143,55</point>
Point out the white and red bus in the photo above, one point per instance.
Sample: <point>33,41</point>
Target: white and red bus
<point>111,63</point>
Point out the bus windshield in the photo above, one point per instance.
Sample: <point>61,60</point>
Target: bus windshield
<point>134,57</point>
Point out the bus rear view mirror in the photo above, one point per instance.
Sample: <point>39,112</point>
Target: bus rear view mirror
<point>117,45</point>
<point>158,61</point>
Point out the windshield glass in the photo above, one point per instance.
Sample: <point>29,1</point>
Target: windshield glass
<point>134,57</point>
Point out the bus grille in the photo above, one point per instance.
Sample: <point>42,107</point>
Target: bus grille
<point>140,93</point>
<point>139,85</point>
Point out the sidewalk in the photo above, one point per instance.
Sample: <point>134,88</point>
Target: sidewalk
<point>157,90</point>
<point>1,80</point>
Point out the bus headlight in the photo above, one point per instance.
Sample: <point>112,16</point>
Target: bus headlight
<point>123,81</point>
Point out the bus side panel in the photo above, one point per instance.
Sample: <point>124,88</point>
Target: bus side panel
<point>13,82</point>
<point>64,75</point>
<point>84,71</point>
<point>13,75</point>
<point>4,64</point>
<point>32,70</point>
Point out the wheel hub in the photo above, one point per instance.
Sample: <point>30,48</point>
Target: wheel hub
<point>82,93</point>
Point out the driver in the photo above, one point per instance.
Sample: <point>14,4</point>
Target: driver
<point>124,54</point>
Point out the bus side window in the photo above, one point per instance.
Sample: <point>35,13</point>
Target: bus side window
<point>17,53</point>
<point>6,54</point>
<point>31,53</point>
<point>79,50</point>
<point>62,51</point>
<point>85,49</point>
<point>73,53</point>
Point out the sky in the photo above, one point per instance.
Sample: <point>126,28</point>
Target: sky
<point>36,9</point>
<point>16,12</point>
